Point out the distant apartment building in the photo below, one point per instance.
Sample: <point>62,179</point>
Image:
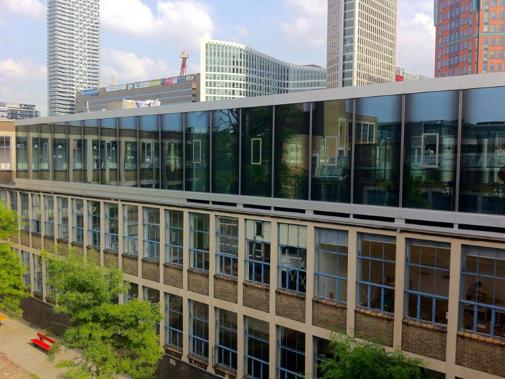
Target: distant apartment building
<point>470,37</point>
<point>16,111</point>
<point>361,43</point>
<point>73,35</point>
<point>231,70</point>
<point>178,89</point>
<point>402,75</point>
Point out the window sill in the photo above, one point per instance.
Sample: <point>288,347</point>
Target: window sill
<point>62,240</point>
<point>108,251</point>
<point>284,291</point>
<point>173,351</point>
<point>173,265</point>
<point>261,286</point>
<point>35,234</point>
<point>226,369</point>
<point>48,237</point>
<point>198,271</point>
<point>130,256</point>
<point>75,243</point>
<point>482,338</point>
<point>332,303</point>
<point>92,247</point>
<point>425,325</point>
<point>198,360</point>
<point>151,260</point>
<point>226,277</point>
<point>376,314</point>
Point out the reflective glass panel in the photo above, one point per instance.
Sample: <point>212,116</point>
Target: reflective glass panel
<point>60,152</point>
<point>128,148</point>
<point>149,152</point>
<point>377,157</point>
<point>44,151</point>
<point>172,142</point>
<point>91,135</point>
<point>108,151</point>
<point>225,156</point>
<point>197,151</point>
<point>77,151</point>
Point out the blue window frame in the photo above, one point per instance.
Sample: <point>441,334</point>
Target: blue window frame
<point>331,265</point>
<point>322,352</point>
<point>25,258</point>
<point>94,224</point>
<point>290,354</point>
<point>49,216</point>
<point>292,257</point>
<point>62,218</point>
<point>111,227</point>
<point>199,241</point>
<point>256,348</point>
<point>427,292</point>
<point>227,246</point>
<point>36,216</point>
<point>258,251</point>
<point>376,272</point>
<point>482,299</point>
<point>78,221</point>
<point>174,232</point>
<point>13,195</point>
<point>173,321</point>
<point>37,275</point>
<point>226,341</point>
<point>25,211</point>
<point>151,224</point>
<point>199,329</point>
<point>130,230</point>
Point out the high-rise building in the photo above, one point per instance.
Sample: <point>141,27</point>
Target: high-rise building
<point>16,111</point>
<point>73,34</point>
<point>470,37</point>
<point>231,70</point>
<point>361,42</point>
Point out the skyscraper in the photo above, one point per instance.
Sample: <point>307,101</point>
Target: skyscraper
<point>361,44</point>
<point>73,34</point>
<point>470,37</point>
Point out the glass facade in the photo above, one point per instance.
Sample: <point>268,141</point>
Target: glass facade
<point>149,151</point>
<point>172,152</point>
<point>128,146</point>
<point>197,152</point>
<point>225,151</point>
<point>109,152</point>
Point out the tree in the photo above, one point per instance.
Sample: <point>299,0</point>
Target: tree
<point>362,360</point>
<point>12,287</point>
<point>113,338</point>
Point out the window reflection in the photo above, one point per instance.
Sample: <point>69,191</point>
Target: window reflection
<point>331,151</point>
<point>377,159</point>
<point>431,124</point>
<point>77,151</point>
<point>197,151</point>
<point>225,157</point>
<point>483,151</point>
<point>150,152</point>
<point>128,147</point>
<point>60,152</point>
<point>108,151</point>
<point>292,123</point>
<point>171,139</point>
<point>93,151</point>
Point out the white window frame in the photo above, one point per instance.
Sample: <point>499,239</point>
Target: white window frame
<point>253,140</point>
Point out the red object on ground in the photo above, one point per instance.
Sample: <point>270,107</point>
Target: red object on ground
<point>41,341</point>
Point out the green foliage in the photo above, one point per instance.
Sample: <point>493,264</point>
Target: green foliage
<point>12,287</point>
<point>112,338</point>
<point>363,360</point>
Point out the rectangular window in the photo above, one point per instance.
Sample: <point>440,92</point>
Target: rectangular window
<point>174,223</point>
<point>25,212</point>
<point>133,292</point>
<point>256,348</point>
<point>426,296</point>
<point>292,257</point>
<point>130,225</point>
<point>36,216</point>
<point>483,291</point>
<point>258,251</point>
<point>322,352</point>
<point>256,151</point>
<point>199,241</point>
<point>151,233</point>
<point>199,329</point>
<point>63,218</point>
<point>376,272</point>
<point>78,221</point>
<point>227,245</point>
<point>226,341</point>
<point>13,195</point>
<point>5,153</point>
<point>37,274</point>
<point>25,257</point>
<point>331,265</point>
<point>111,227</point>
<point>49,216</point>
<point>173,321</point>
<point>429,152</point>
<point>94,224</point>
<point>21,154</point>
<point>60,159</point>
<point>290,353</point>
<point>130,156</point>
<point>78,149</point>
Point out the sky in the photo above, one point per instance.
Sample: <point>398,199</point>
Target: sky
<point>143,39</point>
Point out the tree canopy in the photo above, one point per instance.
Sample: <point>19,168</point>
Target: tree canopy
<point>12,287</point>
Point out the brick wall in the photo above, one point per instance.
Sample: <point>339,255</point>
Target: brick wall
<point>374,326</point>
<point>36,241</point>
<point>24,239</point>
<point>172,276</point>
<point>93,255</point>
<point>225,289</point>
<point>329,315</point>
<point>198,282</point>
<point>49,244</point>
<point>481,353</point>
<point>424,339</point>
<point>257,297</point>
<point>130,265</point>
<point>76,248</point>
<point>150,271</point>
<point>110,259</point>
<point>290,306</point>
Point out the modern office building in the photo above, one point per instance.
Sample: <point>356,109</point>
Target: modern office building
<point>230,70</point>
<point>470,37</point>
<point>361,42</point>
<point>73,38</point>
<point>401,74</point>
<point>173,90</point>
<point>262,225</point>
<point>16,111</point>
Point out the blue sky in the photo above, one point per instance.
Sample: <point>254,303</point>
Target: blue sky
<point>142,39</point>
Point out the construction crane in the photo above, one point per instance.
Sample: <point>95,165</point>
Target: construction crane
<point>184,63</point>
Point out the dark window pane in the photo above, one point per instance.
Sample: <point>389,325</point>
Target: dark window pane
<point>377,158</point>
<point>171,137</point>
<point>197,151</point>
<point>149,152</point>
<point>431,123</point>
<point>225,157</point>
<point>128,148</point>
<point>109,152</point>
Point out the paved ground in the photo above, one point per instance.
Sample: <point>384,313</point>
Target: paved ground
<point>17,350</point>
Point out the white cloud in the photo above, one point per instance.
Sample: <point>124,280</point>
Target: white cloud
<point>31,8</point>
<point>178,23</point>
<point>23,81</point>
<point>416,37</point>
<point>123,66</point>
